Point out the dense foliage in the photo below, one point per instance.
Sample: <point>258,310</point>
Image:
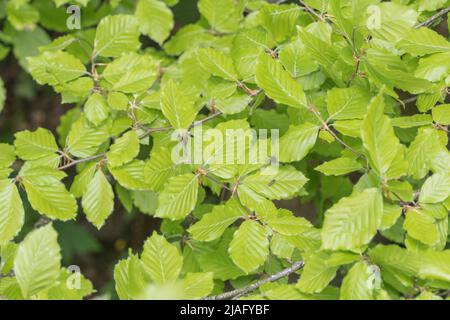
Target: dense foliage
<point>355,88</point>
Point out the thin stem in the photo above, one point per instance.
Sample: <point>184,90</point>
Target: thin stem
<point>8,275</point>
<point>149,131</point>
<point>335,136</point>
<point>210,117</point>
<point>245,290</point>
<point>312,11</point>
<point>145,134</point>
<point>217,182</point>
<point>430,20</point>
<point>42,222</point>
<point>75,162</point>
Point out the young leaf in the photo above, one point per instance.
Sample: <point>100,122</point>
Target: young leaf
<point>124,149</point>
<point>83,139</point>
<point>423,41</point>
<point>55,68</point>
<point>217,63</point>
<point>35,145</point>
<point>197,285</point>
<point>129,278</point>
<point>347,103</point>
<point>49,196</point>
<point>38,261</point>
<point>283,183</point>
<point>352,221</point>
<point>161,260</point>
<point>213,224</point>
<point>96,109</point>
<point>358,283</point>
<point>117,34</point>
<point>159,168</point>
<point>250,246</point>
<point>131,73</point>
<point>339,166</point>
<point>378,136</point>
<point>177,106</point>
<point>297,142</point>
<point>278,84</point>
<point>98,200</point>
<point>155,19</point>
<point>421,226</point>
<point>436,188</point>
<point>178,197</point>
<point>222,15</point>
<point>131,175</point>
<point>317,274</point>
<point>11,211</point>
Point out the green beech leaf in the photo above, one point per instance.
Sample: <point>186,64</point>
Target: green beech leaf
<point>213,224</point>
<point>178,197</point>
<point>347,103</point>
<point>339,166</point>
<point>117,34</point>
<point>177,106</point>
<point>358,283</point>
<point>129,278</point>
<point>222,15</point>
<point>421,226</point>
<point>155,19</point>
<point>217,63</point>
<point>7,155</point>
<point>283,183</point>
<point>161,260</point>
<point>197,285</point>
<point>378,136</point>
<point>38,261</point>
<point>316,274</point>
<point>352,221</point>
<point>11,211</point>
<point>436,188</point>
<point>423,41</point>
<point>441,114</point>
<point>159,168</point>
<point>48,195</point>
<point>296,143</point>
<point>55,68</point>
<point>279,20</point>
<point>278,84</point>
<point>250,246</point>
<point>34,145</point>
<point>84,139</point>
<point>98,199</point>
<point>131,73</point>
<point>131,175</point>
<point>124,149</point>
<point>96,109</point>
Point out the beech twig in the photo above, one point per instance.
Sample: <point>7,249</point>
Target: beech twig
<point>430,20</point>
<point>145,134</point>
<point>234,294</point>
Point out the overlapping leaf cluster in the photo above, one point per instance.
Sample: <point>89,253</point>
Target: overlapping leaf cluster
<point>330,75</point>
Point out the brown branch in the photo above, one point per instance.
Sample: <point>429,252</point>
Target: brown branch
<point>224,186</point>
<point>430,20</point>
<point>234,294</point>
<point>75,162</point>
<point>42,222</point>
<point>312,11</point>
<point>142,136</point>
